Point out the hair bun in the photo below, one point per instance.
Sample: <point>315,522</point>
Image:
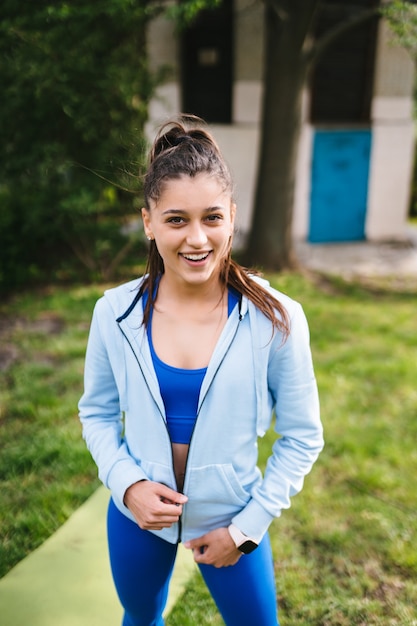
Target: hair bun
<point>182,139</point>
<point>184,146</point>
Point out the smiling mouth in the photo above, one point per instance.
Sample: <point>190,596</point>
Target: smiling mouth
<point>195,258</point>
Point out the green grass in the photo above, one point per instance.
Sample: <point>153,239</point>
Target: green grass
<point>45,469</point>
<point>345,552</point>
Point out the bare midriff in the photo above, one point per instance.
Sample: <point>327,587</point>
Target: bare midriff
<point>180,453</point>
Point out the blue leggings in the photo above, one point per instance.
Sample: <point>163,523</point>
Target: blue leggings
<point>142,565</point>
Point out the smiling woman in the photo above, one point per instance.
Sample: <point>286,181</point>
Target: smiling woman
<point>192,226</point>
<point>196,356</point>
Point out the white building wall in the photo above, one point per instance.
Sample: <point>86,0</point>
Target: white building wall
<point>301,211</point>
<point>392,153</point>
<point>163,50</point>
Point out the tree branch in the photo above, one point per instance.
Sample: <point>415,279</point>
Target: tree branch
<point>344,25</point>
<point>278,9</point>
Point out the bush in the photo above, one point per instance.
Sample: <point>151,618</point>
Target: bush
<point>75,92</point>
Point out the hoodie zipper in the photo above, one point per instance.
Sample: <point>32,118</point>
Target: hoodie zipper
<point>200,406</point>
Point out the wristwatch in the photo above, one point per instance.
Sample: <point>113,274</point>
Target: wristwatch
<point>242,542</point>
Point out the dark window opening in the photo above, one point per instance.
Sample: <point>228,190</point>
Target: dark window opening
<point>342,81</point>
<point>207,65</point>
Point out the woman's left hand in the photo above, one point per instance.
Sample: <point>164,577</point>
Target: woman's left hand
<point>215,548</point>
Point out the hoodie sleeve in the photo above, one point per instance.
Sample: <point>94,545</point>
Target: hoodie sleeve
<point>293,389</point>
<point>99,408</point>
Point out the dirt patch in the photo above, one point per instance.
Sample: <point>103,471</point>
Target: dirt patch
<point>8,355</point>
<point>333,284</point>
<point>388,591</point>
<point>46,324</point>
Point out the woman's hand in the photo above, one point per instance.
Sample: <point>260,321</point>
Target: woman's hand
<point>154,505</point>
<point>215,548</point>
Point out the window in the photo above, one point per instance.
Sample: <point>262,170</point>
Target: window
<point>343,78</point>
<point>207,65</point>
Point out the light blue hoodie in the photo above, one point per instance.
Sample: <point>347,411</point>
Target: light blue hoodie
<point>252,375</point>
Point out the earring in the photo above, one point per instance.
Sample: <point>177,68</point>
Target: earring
<point>149,238</point>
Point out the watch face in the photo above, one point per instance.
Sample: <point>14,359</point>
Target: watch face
<point>248,546</point>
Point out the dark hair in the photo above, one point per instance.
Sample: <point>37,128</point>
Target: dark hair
<point>186,147</point>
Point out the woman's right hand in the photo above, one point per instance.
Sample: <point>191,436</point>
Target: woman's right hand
<point>154,506</point>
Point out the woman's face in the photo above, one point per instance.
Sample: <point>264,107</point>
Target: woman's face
<point>192,224</point>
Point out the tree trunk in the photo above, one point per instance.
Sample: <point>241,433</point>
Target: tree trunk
<point>270,242</point>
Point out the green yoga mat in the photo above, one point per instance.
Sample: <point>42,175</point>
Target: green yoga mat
<point>67,580</point>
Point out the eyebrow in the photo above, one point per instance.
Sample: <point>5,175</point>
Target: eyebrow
<point>210,209</point>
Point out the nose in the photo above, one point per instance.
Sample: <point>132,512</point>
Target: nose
<point>196,235</point>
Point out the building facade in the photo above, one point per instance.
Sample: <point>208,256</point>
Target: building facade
<point>357,142</point>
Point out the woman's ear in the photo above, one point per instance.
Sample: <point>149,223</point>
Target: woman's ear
<point>146,223</point>
<point>232,214</point>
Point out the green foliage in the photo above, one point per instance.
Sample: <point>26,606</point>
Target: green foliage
<point>185,12</point>
<point>75,90</point>
<point>402,17</point>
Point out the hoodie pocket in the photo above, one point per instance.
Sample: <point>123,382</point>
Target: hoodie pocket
<point>214,496</point>
<point>159,473</point>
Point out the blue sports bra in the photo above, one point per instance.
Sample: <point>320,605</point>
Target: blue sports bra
<point>180,388</point>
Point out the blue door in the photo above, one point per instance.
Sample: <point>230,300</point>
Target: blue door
<point>339,185</point>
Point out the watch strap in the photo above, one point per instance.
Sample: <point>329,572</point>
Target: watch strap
<point>242,542</point>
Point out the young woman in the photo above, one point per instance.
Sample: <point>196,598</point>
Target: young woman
<point>184,369</point>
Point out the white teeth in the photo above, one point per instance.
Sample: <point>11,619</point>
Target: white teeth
<point>195,257</point>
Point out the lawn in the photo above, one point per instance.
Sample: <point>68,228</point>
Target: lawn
<point>345,552</point>
<point>45,470</point>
